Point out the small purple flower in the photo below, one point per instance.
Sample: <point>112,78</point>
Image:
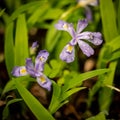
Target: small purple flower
<point>35,70</point>
<point>19,71</point>
<point>86,4</point>
<point>34,47</point>
<point>68,52</point>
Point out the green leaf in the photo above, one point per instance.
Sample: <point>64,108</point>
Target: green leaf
<point>35,106</point>
<point>6,109</point>
<point>108,19</point>
<point>118,16</point>
<point>1,12</point>
<point>52,37</point>
<point>100,116</point>
<point>115,56</point>
<point>56,68</point>
<point>114,44</point>
<point>108,80</point>
<point>9,86</point>
<point>79,78</point>
<point>37,14</point>
<point>55,103</point>
<point>25,7</point>
<point>21,41</point>
<point>52,13</point>
<point>9,48</point>
<point>68,93</point>
<point>11,83</point>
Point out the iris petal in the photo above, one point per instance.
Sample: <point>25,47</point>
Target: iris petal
<point>62,25</point>
<point>30,67</point>
<point>40,60</point>
<point>82,24</point>
<point>44,82</point>
<point>19,71</point>
<point>93,37</point>
<point>86,48</point>
<point>68,53</point>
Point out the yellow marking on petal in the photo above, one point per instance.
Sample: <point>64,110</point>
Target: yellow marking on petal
<point>42,59</point>
<point>42,79</point>
<point>69,48</point>
<point>65,26</point>
<point>23,71</point>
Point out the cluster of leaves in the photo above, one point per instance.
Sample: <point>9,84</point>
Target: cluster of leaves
<point>44,14</point>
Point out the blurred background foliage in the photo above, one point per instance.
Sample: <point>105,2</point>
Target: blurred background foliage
<point>24,21</point>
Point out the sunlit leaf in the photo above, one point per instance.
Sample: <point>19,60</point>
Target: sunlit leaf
<point>108,19</point>
<point>68,93</point>
<point>36,107</point>
<point>9,48</point>
<point>78,79</point>
<point>55,103</point>
<point>24,8</point>
<point>21,41</point>
<point>37,14</point>
<point>100,116</point>
<point>1,12</point>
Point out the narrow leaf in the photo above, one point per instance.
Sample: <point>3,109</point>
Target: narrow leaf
<point>55,103</point>
<point>100,116</point>
<point>35,106</point>
<point>1,12</point>
<point>6,109</point>
<point>68,93</point>
<point>78,79</point>
<point>39,12</point>
<point>21,41</point>
<point>52,37</point>
<point>24,8</point>
<point>9,48</point>
<point>108,19</point>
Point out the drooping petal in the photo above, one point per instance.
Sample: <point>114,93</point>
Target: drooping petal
<point>68,53</point>
<point>88,13</point>
<point>84,3</point>
<point>40,60</point>
<point>94,3</point>
<point>86,48</point>
<point>34,47</point>
<point>93,37</point>
<point>44,82</point>
<point>30,67</point>
<point>19,71</point>
<point>82,24</point>
<point>62,25</point>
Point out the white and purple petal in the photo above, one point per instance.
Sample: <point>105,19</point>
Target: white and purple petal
<point>84,3</point>
<point>62,25</point>
<point>88,13</point>
<point>93,37</point>
<point>40,60</point>
<point>94,3</point>
<point>68,53</point>
<point>86,48</point>
<point>30,67</point>
<point>82,24</point>
<point>34,47</point>
<point>44,82</point>
<point>19,71</point>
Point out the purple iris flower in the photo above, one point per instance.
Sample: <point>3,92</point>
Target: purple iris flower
<point>35,70</point>
<point>34,47</point>
<point>68,52</point>
<point>86,4</point>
